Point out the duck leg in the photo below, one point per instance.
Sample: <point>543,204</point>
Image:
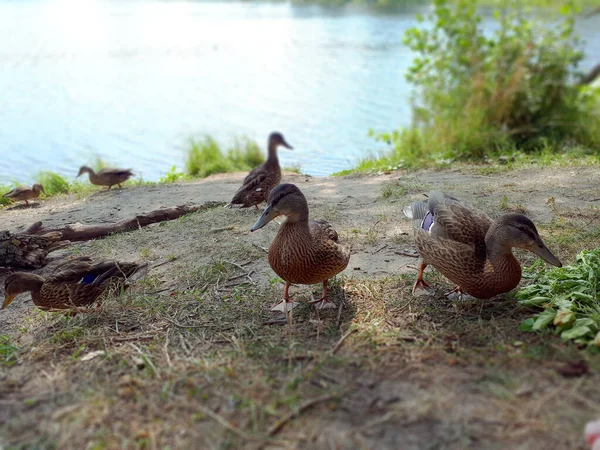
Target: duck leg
<point>420,283</point>
<point>322,303</point>
<point>119,184</point>
<point>286,304</point>
<point>26,202</point>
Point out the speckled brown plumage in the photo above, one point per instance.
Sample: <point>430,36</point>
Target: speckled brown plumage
<point>307,252</point>
<point>25,193</point>
<point>473,251</point>
<point>262,179</point>
<point>74,284</point>
<point>304,251</point>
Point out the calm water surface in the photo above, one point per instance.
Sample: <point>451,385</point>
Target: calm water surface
<point>130,81</point>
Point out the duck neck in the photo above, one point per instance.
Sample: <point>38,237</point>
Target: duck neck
<point>298,221</point>
<point>272,159</point>
<point>497,245</point>
<point>31,282</point>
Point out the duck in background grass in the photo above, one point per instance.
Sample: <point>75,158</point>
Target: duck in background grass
<point>25,193</point>
<point>74,284</point>
<point>304,251</point>
<point>106,177</point>
<point>260,181</point>
<point>469,248</point>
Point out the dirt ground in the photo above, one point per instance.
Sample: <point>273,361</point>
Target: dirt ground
<point>189,357</point>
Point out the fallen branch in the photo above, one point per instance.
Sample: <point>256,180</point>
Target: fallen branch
<point>78,232</point>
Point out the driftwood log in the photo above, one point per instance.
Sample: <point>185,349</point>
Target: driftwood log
<point>30,248</point>
<point>28,252</point>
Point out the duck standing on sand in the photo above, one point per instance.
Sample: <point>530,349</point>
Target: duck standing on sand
<point>106,177</point>
<point>261,180</point>
<point>25,193</point>
<point>304,251</point>
<point>469,248</point>
<point>73,284</point>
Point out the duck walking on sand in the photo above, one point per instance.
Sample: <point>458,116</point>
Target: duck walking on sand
<point>106,177</point>
<point>261,180</point>
<point>469,248</point>
<point>74,284</point>
<point>25,193</point>
<point>304,251</point>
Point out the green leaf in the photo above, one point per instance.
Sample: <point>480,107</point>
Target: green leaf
<point>544,319</point>
<point>527,324</point>
<point>535,301</point>
<point>575,332</point>
<point>564,318</point>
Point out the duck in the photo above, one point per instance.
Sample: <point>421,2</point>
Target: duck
<point>106,177</point>
<point>303,251</point>
<point>74,284</point>
<point>469,248</point>
<point>258,184</point>
<point>25,193</point>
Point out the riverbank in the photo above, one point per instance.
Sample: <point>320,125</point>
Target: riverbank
<point>185,358</point>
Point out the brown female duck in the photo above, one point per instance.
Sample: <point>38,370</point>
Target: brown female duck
<point>304,251</point>
<point>25,193</point>
<point>261,180</point>
<point>106,177</point>
<point>470,249</point>
<point>74,284</point>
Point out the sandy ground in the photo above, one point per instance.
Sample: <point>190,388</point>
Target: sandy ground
<point>366,211</point>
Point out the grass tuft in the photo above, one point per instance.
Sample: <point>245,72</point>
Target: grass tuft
<point>53,183</point>
<point>8,351</point>
<point>206,157</point>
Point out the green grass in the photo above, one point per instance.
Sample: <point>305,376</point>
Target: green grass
<point>206,157</point>
<point>570,298</point>
<point>547,156</point>
<point>8,351</point>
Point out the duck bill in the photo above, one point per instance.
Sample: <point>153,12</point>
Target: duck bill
<point>7,300</point>
<point>267,215</point>
<point>286,145</point>
<point>542,251</point>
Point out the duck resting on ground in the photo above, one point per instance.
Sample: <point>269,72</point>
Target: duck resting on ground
<point>25,193</point>
<point>304,251</point>
<point>106,177</point>
<point>469,248</point>
<point>74,284</point>
<point>261,180</point>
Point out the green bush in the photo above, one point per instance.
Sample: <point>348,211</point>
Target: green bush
<point>205,157</point>
<point>479,93</point>
<point>171,176</point>
<point>53,183</point>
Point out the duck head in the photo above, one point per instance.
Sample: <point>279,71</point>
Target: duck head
<point>20,282</point>
<point>285,200</point>
<point>276,139</point>
<point>519,231</point>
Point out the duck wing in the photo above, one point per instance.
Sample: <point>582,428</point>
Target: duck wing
<point>19,190</point>
<point>462,224</point>
<point>115,172</point>
<point>323,230</point>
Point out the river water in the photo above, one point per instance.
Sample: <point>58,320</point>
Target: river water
<point>131,80</point>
